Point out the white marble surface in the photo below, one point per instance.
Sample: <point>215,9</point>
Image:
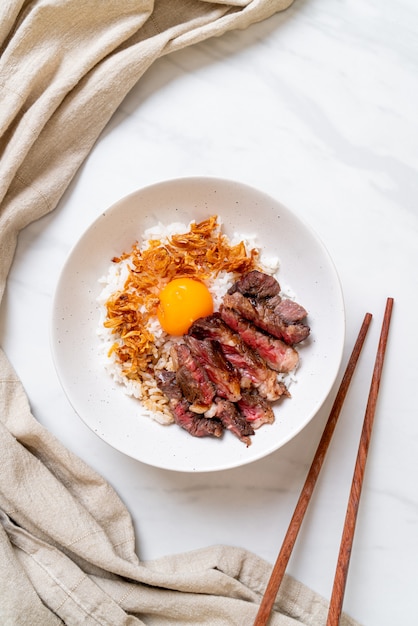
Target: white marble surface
<point>316,106</point>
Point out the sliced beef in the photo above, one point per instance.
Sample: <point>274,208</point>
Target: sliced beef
<point>194,424</point>
<point>209,327</point>
<point>233,420</point>
<point>256,284</point>
<point>275,352</point>
<point>167,383</point>
<point>259,286</point>
<point>224,377</point>
<point>290,312</point>
<point>256,410</point>
<point>226,366</point>
<point>192,378</point>
<point>253,370</point>
<point>259,313</point>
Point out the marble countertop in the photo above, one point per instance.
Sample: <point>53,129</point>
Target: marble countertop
<point>317,107</point>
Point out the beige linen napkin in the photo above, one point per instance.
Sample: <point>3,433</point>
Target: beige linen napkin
<point>67,552</point>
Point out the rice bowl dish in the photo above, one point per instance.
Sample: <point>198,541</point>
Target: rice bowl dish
<point>79,354</point>
<point>138,347</point>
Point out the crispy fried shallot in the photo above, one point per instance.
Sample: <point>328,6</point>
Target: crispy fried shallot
<point>202,253</point>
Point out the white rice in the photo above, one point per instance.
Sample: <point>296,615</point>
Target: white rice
<point>154,403</point>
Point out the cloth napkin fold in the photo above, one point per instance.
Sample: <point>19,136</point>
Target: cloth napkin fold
<point>67,549</point>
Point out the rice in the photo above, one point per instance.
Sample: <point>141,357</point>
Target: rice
<point>142,383</point>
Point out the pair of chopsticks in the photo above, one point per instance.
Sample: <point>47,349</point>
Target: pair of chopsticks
<point>338,590</point>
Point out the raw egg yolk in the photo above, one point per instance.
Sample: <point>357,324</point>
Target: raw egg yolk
<point>182,301</point>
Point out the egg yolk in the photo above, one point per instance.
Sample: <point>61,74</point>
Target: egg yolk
<point>182,301</point>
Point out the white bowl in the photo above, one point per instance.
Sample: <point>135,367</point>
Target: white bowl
<point>305,266</point>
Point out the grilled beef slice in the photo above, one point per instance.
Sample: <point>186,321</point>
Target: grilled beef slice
<point>289,311</point>
<point>233,420</point>
<point>253,370</point>
<point>256,410</point>
<point>224,377</point>
<point>257,285</point>
<point>192,378</point>
<point>265,317</point>
<point>191,422</point>
<point>167,383</point>
<point>275,352</point>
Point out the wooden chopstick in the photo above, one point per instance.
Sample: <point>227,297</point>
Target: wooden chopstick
<point>279,568</point>
<point>338,590</point>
